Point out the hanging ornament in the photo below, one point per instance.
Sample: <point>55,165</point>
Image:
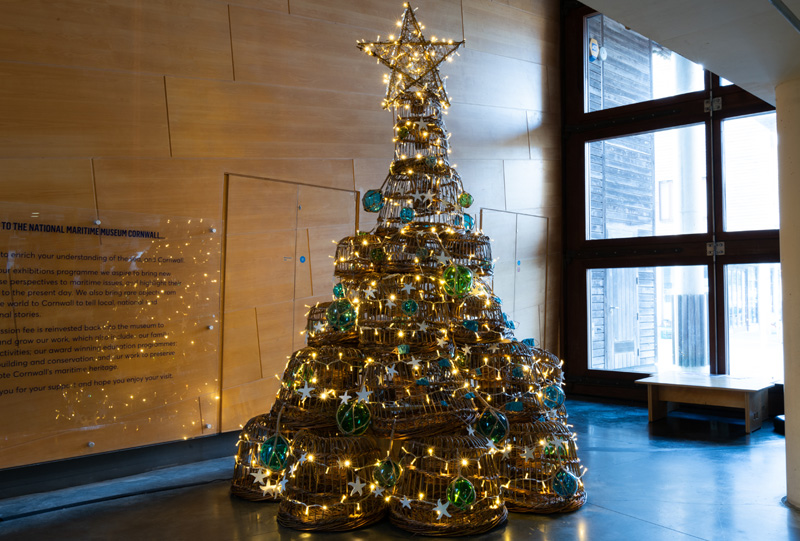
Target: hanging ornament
<point>372,201</point>
<point>457,280</point>
<point>471,325</point>
<point>430,161</point>
<point>465,200</point>
<point>553,396</point>
<point>423,253</point>
<point>387,473</point>
<point>402,132</point>
<point>407,215</point>
<point>403,349</point>
<point>493,425</point>
<point>409,307</point>
<point>376,255</point>
<point>469,222</point>
<point>303,373</point>
<point>338,291</point>
<point>517,372</point>
<point>274,453</point>
<point>341,315</point>
<point>460,359</point>
<point>461,493</point>
<point>353,418</point>
<point>565,484</point>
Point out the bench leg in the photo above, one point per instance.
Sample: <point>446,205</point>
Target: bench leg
<point>755,410</point>
<point>656,408</point>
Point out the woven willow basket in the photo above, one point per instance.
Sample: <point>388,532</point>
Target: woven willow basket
<point>417,395</point>
<point>382,320</point>
<point>328,468</point>
<point>319,333</point>
<point>486,313</point>
<point>412,250</point>
<point>430,465</point>
<point>547,367</point>
<point>356,256</point>
<point>471,250</point>
<point>528,473</point>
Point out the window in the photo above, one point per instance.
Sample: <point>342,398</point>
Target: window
<point>671,214</point>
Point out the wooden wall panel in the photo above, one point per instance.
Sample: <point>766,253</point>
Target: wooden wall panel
<point>241,361</point>
<point>59,112</point>
<point>281,6</point>
<point>176,37</point>
<point>544,135</point>
<point>257,206</point>
<point>484,180</point>
<point>479,132</point>
<point>246,401</point>
<point>532,185</point>
<point>213,118</point>
<point>298,52</point>
<point>63,183</point>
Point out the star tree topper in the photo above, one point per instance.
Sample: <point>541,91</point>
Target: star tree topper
<point>414,61</point>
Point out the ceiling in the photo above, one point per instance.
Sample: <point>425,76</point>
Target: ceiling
<point>745,41</point>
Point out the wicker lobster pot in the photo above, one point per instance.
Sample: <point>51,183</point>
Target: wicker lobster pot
<point>530,473</point>
<point>430,465</point>
<point>323,368</point>
<point>358,255</point>
<point>471,250</point>
<point>486,313</point>
<point>411,250</point>
<point>248,483</point>
<point>383,322</point>
<point>319,333</point>
<point>312,499</point>
<point>413,177</point>
<point>416,395</point>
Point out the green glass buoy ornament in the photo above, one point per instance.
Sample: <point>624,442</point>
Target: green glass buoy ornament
<point>376,255</point>
<point>338,291</point>
<point>565,484</point>
<point>372,201</point>
<point>460,359</point>
<point>457,280</point>
<point>353,418</point>
<point>461,493</point>
<point>465,200</point>
<point>407,215</point>
<point>341,315</point>
<point>493,425</point>
<point>402,132</point>
<point>303,373</point>
<point>274,453</point>
<point>387,473</point>
<point>409,307</point>
<point>553,396</point>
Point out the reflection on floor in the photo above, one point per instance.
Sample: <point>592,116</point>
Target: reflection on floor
<point>686,477</point>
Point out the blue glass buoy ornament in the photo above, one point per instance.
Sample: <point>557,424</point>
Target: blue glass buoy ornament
<point>274,453</point>
<point>565,484</point>
<point>461,493</point>
<point>469,222</point>
<point>338,290</point>
<point>341,315</point>
<point>493,425</point>
<point>407,215</point>
<point>553,396</point>
<point>430,161</point>
<point>471,325</point>
<point>372,201</point>
<point>387,473</point>
<point>409,307</point>
<point>353,418</point>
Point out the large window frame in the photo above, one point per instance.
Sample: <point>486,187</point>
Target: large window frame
<point>581,255</point>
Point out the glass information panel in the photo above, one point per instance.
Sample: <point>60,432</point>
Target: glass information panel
<point>108,331</point>
<point>648,319</point>
<point>753,301</point>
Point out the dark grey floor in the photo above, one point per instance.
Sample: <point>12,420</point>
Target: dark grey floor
<point>691,476</point>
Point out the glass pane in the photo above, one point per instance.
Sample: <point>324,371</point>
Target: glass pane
<point>647,185</point>
<point>755,320</point>
<point>750,173</point>
<point>624,67</point>
<point>724,82</point>
<point>648,319</point>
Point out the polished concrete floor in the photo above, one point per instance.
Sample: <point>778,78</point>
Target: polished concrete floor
<point>691,476</point>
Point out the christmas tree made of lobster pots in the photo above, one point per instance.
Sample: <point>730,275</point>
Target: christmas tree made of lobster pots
<point>412,397</point>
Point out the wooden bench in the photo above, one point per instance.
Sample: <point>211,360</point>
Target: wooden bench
<point>747,393</point>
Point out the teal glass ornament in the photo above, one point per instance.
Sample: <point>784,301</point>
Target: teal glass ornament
<point>423,382</point>
<point>514,406</point>
<point>338,291</point>
<point>517,372</point>
<point>461,493</point>
<point>407,215</point>
<point>423,253</point>
<point>341,315</point>
<point>409,307</point>
<point>469,396</point>
<point>372,201</point>
<point>465,200</point>
<point>565,484</point>
<point>402,349</point>
<point>430,161</point>
<point>387,473</point>
<point>553,396</point>
<point>469,222</point>
<point>471,325</point>
<point>493,425</point>
<point>274,453</point>
<point>457,280</point>
<point>376,255</point>
<point>508,322</point>
<point>444,363</point>
<point>353,418</point>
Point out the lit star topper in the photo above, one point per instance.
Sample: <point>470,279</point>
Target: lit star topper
<point>414,61</point>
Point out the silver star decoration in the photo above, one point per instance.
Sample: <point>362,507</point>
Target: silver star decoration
<point>506,451</point>
<point>272,489</point>
<point>292,469</point>
<point>527,453</point>
<point>405,502</point>
<point>441,509</point>
<point>370,292</point>
<point>466,349</point>
<point>259,476</point>
<point>305,391</point>
<point>414,362</point>
<point>471,430</point>
<point>428,196</point>
<point>417,195</point>
<point>318,327</point>
<point>303,458</point>
<point>282,484</point>
<point>391,373</point>
<point>443,258</point>
<point>491,446</point>
<point>358,486</point>
<point>363,394</point>
<point>390,303</point>
<point>423,326</point>
<point>441,342</point>
<point>344,398</point>
<point>494,348</point>
<point>408,288</point>
<point>377,491</point>
<point>558,441</point>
